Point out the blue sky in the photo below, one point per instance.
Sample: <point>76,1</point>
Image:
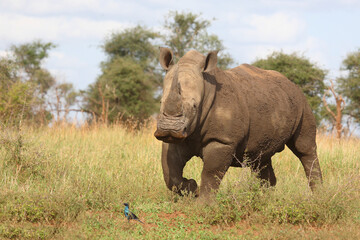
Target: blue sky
<point>323,31</point>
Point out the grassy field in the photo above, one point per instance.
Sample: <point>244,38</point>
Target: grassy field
<point>68,183</point>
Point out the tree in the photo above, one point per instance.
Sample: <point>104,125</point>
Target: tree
<point>187,31</point>
<point>302,72</point>
<point>336,118</point>
<point>122,90</point>
<point>134,43</point>
<point>16,96</point>
<point>349,86</point>
<point>29,58</point>
<point>65,97</point>
<point>129,77</point>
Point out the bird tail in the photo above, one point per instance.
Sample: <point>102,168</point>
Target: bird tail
<point>139,220</point>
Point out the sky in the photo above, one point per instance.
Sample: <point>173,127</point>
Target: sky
<point>324,31</point>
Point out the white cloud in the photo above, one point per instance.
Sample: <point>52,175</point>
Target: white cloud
<point>17,28</point>
<point>64,60</point>
<point>276,28</point>
<point>287,3</point>
<point>101,8</point>
<point>52,6</point>
<point>315,49</point>
<point>57,55</point>
<point>308,5</point>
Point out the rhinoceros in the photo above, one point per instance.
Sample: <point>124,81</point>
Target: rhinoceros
<point>230,118</point>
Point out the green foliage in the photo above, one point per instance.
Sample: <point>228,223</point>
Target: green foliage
<point>349,86</point>
<point>16,96</point>
<point>185,31</point>
<point>8,71</point>
<point>66,91</point>
<point>188,31</point>
<point>43,80</point>
<point>134,43</point>
<point>29,57</point>
<point>302,72</point>
<point>125,89</point>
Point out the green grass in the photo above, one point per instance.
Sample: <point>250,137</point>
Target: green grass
<point>67,183</point>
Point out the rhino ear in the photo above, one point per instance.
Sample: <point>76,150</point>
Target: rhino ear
<point>211,61</point>
<point>166,58</point>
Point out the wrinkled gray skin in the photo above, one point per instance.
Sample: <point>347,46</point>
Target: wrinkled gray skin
<point>237,117</point>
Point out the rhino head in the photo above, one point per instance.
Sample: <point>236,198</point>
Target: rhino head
<point>183,93</point>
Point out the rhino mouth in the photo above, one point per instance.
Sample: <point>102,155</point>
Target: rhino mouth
<point>171,129</point>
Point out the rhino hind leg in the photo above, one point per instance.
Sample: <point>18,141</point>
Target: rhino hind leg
<point>303,145</point>
<point>310,162</point>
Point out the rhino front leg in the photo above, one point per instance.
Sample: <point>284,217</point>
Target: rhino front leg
<point>217,159</point>
<point>173,159</point>
<point>265,172</point>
